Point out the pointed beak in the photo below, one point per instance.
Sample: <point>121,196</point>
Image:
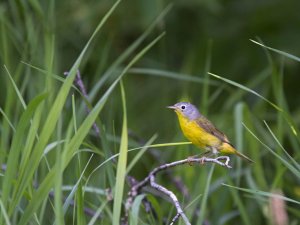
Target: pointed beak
<point>171,107</point>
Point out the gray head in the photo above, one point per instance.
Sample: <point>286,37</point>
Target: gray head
<point>186,109</point>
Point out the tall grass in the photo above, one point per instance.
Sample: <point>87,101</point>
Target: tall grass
<point>57,169</point>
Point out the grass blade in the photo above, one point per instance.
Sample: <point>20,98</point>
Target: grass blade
<point>16,147</point>
<point>286,116</point>
<point>205,196</point>
<point>283,149</point>
<point>263,193</point>
<point>135,149</point>
<point>241,207</point>
<point>77,139</point>
<point>135,209</point>
<point>16,88</point>
<point>172,75</point>
<point>285,162</point>
<point>4,213</point>
<point>121,167</point>
<point>140,153</point>
<point>75,187</point>
<point>7,120</point>
<point>246,89</point>
<point>205,86</point>
<point>277,51</point>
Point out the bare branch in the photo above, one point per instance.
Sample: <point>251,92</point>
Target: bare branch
<point>150,180</point>
<point>172,196</point>
<point>175,219</point>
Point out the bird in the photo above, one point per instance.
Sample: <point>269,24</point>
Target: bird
<point>202,132</point>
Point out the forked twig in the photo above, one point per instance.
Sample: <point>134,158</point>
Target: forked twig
<point>150,180</point>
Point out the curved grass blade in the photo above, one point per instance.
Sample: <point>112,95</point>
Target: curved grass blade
<point>135,209</point>
<point>285,162</point>
<point>263,193</point>
<point>98,213</point>
<point>205,86</point>
<point>16,88</point>
<point>277,51</point>
<point>241,207</point>
<point>286,116</point>
<point>135,149</point>
<point>172,75</point>
<point>283,149</point>
<point>75,187</point>
<point>246,89</point>
<point>164,145</point>
<point>140,153</point>
<point>7,120</point>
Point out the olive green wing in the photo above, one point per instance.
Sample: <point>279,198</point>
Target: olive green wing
<point>210,128</point>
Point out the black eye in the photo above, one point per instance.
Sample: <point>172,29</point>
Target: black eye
<point>183,107</point>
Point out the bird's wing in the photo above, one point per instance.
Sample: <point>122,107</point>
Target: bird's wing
<point>210,128</point>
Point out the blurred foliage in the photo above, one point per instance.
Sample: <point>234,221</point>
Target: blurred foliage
<point>201,36</point>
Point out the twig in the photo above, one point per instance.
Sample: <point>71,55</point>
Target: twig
<point>150,179</point>
<point>172,196</point>
<point>79,83</point>
<point>175,219</point>
<point>148,206</point>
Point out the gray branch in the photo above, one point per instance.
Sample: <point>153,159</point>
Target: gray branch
<point>150,179</point>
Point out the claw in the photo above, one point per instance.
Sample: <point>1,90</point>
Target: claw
<point>202,160</point>
<point>189,160</point>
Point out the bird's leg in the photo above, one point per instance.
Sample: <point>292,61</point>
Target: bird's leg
<point>199,155</point>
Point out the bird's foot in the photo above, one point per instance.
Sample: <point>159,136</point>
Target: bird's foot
<point>202,159</point>
<point>189,159</point>
<point>227,160</point>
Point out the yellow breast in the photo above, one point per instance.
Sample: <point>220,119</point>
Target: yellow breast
<point>196,134</point>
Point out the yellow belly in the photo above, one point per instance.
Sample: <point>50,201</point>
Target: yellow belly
<point>197,135</point>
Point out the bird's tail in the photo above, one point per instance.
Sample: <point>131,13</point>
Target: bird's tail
<point>243,156</point>
<point>229,149</point>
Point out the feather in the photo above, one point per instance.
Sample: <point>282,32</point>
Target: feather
<point>210,128</point>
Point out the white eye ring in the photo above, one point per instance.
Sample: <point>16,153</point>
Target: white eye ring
<point>183,107</point>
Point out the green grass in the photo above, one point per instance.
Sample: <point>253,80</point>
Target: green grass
<point>121,168</point>
<point>56,169</point>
